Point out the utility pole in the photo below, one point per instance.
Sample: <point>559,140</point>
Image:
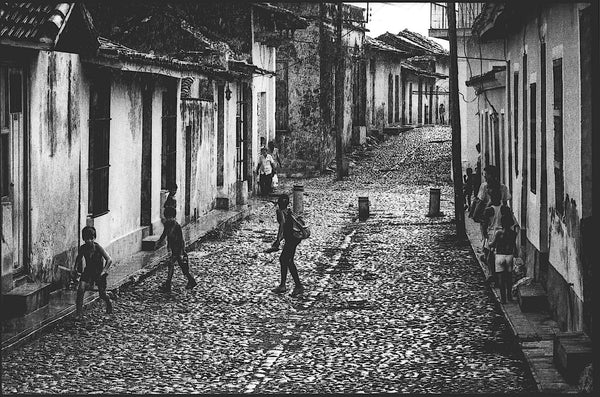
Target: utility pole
<point>459,213</point>
<point>340,76</point>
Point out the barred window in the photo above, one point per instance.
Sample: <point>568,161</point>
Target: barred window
<point>99,145</point>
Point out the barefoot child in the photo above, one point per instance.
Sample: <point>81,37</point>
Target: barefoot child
<point>505,244</point>
<point>286,259</point>
<point>97,262</point>
<point>176,244</point>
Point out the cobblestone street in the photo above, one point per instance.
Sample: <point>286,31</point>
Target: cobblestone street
<point>392,304</point>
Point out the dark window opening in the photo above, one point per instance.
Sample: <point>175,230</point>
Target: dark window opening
<point>516,120</point>
<point>169,139</point>
<point>397,99</point>
<point>390,99</point>
<point>241,132</point>
<point>533,138</point>
<point>99,145</point>
<point>559,183</point>
<point>281,97</point>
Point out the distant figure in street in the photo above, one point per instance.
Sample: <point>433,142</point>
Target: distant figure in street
<point>477,180</point>
<point>92,264</point>
<point>505,246</point>
<point>175,242</point>
<point>442,114</point>
<point>264,169</point>
<point>468,187</point>
<point>286,259</point>
<point>171,201</point>
<point>274,152</point>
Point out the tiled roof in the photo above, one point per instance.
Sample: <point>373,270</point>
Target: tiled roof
<point>381,46</point>
<point>286,17</point>
<point>32,22</point>
<point>422,72</point>
<point>115,51</point>
<point>424,42</point>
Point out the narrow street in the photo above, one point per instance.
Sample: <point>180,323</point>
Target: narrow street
<point>393,304</point>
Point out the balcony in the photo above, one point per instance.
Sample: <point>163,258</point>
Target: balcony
<point>438,20</point>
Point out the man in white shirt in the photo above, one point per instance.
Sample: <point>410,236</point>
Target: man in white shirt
<point>264,169</point>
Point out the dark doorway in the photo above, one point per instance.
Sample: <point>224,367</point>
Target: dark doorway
<point>146,191</point>
<point>220,135</point>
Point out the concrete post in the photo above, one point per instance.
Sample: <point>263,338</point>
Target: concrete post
<point>298,199</point>
<point>434,202</point>
<point>363,208</point>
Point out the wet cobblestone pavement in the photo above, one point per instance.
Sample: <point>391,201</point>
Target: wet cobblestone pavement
<point>391,304</point>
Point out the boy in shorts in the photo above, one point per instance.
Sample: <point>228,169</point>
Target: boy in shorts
<point>97,262</point>
<point>505,245</point>
<point>175,242</point>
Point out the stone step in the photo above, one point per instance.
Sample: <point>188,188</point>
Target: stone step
<point>25,299</point>
<point>572,351</point>
<point>532,298</point>
<point>149,243</point>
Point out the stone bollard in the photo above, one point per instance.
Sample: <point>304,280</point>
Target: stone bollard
<point>434,202</point>
<point>363,208</point>
<point>298,203</point>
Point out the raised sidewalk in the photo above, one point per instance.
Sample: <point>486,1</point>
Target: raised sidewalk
<point>534,331</point>
<point>140,265</point>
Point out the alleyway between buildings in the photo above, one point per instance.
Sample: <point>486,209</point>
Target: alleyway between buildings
<point>392,304</point>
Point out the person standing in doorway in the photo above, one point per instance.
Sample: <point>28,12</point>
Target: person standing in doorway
<point>171,201</point>
<point>264,169</point>
<point>92,264</point>
<point>442,112</point>
<point>274,152</point>
<point>286,259</point>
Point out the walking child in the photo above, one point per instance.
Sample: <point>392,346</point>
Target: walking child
<point>92,264</point>
<point>175,242</point>
<point>286,259</point>
<point>505,245</point>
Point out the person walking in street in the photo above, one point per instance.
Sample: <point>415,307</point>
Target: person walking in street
<point>176,243</point>
<point>492,181</point>
<point>171,201</point>
<point>92,264</point>
<point>274,152</point>
<point>504,244</point>
<point>264,169</point>
<point>286,259</point>
<point>468,187</point>
<point>442,112</point>
<point>490,225</point>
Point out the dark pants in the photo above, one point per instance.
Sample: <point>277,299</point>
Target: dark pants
<point>87,281</point>
<point>286,261</point>
<point>182,260</point>
<point>265,183</point>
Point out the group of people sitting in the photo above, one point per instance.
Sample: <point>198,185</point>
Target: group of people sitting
<point>268,164</point>
<point>498,230</point>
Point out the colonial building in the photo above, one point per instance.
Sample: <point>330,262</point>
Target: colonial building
<point>94,131</point>
<point>543,140</point>
<point>395,87</point>
<point>306,86</point>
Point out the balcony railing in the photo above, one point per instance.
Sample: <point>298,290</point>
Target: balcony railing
<point>467,12</point>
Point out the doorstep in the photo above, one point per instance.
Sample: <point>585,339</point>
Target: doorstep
<point>534,330</point>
